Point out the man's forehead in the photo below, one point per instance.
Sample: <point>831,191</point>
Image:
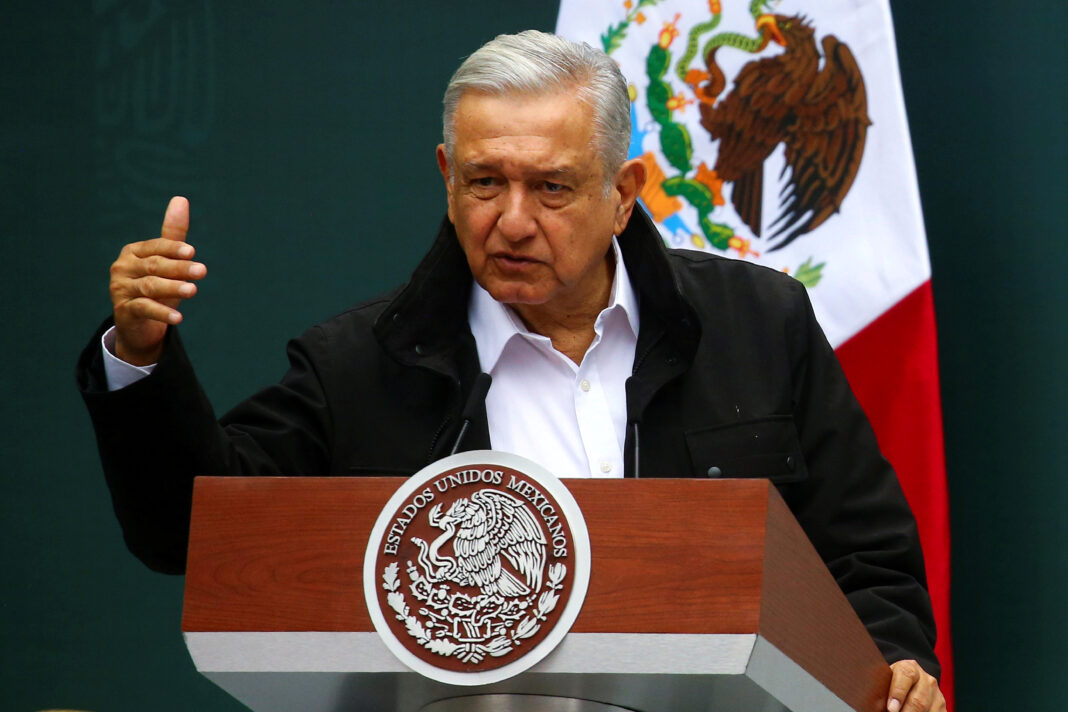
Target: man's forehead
<point>545,169</point>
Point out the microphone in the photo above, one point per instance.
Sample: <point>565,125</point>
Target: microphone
<point>634,419</point>
<point>476,400</point>
<point>637,451</point>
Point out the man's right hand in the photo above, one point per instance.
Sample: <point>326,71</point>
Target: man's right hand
<point>148,282</point>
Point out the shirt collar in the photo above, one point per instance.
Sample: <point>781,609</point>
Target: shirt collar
<point>493,324</point>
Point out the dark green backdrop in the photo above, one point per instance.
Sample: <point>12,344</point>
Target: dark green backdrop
<point>303,134</point>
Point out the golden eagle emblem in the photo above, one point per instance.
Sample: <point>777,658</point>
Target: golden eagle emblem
<point>819,114</point>
<point>800,103</point>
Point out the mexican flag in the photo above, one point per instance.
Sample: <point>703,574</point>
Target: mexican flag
<point>775,132</point>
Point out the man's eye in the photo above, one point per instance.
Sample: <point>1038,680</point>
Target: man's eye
<point>486,182</point>
<point>551,187</point>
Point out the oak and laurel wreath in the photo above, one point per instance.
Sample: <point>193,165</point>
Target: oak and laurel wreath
<point>501,645</point>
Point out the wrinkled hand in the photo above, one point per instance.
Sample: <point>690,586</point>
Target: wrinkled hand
<point>913,690</point>
<point>148,282</point>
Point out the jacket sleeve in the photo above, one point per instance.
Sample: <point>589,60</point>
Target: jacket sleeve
<point>853,509</point>
<point>157,434</point>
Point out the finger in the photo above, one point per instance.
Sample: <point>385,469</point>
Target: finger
<point>921,698</point>
<point>172,269</point>
<point>163,247</point>
<point>145,308</point>
<point>160,288</point>
<point>176,219</point>
<point>905,675</point>
<point>158,266</point>
<point>168,292</point>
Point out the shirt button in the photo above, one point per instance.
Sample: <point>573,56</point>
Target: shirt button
<point>585,385</point>
<point>606,467</point>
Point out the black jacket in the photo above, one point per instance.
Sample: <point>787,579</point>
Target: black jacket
<point>732,375</point>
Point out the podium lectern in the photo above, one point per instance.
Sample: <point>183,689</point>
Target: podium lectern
<point>704,595</point>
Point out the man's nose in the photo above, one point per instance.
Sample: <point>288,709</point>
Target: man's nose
<point>516,221</point>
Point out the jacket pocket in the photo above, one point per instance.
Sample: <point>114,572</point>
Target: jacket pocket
<point>768,447</point>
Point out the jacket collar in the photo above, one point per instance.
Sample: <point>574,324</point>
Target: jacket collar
<point>422,322</point>
<point>670,330</point>
<point>655,281</point>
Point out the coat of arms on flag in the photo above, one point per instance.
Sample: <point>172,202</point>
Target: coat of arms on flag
<point>818,115</point>
<point>762,142</point>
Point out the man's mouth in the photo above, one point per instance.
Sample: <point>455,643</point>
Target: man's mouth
<point>512,262</point>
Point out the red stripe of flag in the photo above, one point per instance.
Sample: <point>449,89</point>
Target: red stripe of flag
<point>892,365</point>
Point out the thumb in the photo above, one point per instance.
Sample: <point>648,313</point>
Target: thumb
<point>176,219</point>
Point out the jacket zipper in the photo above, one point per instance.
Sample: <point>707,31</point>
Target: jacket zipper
<point>437,436</point>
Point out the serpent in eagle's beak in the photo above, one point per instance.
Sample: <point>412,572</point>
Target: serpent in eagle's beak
<point>769,29</point>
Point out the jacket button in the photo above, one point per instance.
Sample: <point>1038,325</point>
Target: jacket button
<point>791,463</point>
<point>715,472</point>
<point>419,350</point>
<point>396,316</point>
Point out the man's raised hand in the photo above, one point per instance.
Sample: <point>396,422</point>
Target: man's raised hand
<point>148,282</point>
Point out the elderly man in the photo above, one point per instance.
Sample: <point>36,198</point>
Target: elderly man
<point>547,276</point>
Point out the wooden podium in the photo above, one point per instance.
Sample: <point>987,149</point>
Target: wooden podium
<point>703,595</point>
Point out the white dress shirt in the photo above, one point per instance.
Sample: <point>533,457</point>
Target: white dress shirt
<point>569,418</point>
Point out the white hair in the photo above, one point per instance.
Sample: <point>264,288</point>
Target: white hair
<point>534,63</point>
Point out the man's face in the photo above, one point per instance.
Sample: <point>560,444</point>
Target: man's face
<point>527,196</point>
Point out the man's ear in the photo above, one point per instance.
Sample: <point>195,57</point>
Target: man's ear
<point>446,174</point>
<point>628,183</point>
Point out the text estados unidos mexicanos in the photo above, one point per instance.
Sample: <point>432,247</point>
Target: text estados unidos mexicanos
<point>395,535</point>
<point>548,513</point>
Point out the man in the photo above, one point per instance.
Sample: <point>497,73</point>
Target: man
<point>548,277</point>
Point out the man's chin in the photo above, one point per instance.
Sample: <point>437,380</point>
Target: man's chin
<point>516,294</point>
